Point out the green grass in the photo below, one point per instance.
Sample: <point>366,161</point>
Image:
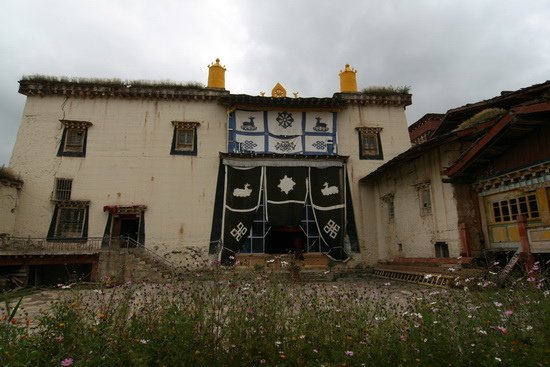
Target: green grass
<point>387,91</point>
<point>114,82</point>
<point>260,322</point>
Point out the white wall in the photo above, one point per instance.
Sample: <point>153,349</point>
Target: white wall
<point>417,233</point>
<point>128,162</point>
<point>8,206</point>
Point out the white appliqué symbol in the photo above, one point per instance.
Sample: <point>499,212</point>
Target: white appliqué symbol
<point>329,190</point>
<point>286,184</point>
<point>243,192</point>
<point>331,228</point>
<point>239,231</point>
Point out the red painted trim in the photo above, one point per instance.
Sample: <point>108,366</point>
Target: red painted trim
<point>464,240</point>
<point>534,108</point>
<point>524,242</point>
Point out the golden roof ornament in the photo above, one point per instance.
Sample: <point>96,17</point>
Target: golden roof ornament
<point>216,75</point>
<point>348,81</point>
<point>278,91</point>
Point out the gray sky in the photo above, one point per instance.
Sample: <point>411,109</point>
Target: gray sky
<point>450,52</point>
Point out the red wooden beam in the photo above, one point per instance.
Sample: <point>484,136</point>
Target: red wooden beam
<point>533,108</point>
<point>478,147</point>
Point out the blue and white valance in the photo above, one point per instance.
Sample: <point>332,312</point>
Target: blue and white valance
<point>282,132</point>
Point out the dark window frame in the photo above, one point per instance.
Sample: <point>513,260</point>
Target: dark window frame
<point>66,147</point>
<point>55,233</point>
<point>181,127</point>
<point>365,133</point>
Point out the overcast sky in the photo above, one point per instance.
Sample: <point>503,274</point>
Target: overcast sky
<point>450,52</point>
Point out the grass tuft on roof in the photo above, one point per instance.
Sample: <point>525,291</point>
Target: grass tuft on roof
<point>481,117</point>
<point>386,91</point>
<point>113,82</point>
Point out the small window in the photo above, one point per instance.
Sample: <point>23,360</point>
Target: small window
<point>184,141</point>
<point>391,210</point>
<point>441,249</point>
<point>63,187</point>
<point>424,197</point>
<point>69,221</point>
<point>73,141</point>
<point>370,146</point>
<point>388,199</point>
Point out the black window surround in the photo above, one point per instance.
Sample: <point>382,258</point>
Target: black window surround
<point>69,221</point>
<point>370,144</point>
<point>74,138</point>
<point>184,139</point>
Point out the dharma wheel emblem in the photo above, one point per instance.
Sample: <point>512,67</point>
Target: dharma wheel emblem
<point>285,119</point>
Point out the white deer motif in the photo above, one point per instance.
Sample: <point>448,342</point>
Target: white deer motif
<point>243,192</point>
<point>329,190</point>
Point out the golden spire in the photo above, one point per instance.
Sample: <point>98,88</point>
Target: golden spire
<point>348,80</point>
<point>216,75</point>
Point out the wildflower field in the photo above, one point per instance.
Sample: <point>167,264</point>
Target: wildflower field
<point>260,321</point>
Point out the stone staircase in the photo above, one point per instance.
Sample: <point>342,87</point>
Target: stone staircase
<point>141,267</point>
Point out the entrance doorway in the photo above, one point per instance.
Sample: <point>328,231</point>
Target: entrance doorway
<point>127,226</point>
<point>284,240</point>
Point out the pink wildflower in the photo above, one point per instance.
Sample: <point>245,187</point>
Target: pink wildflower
<point>67,362</point>
<point>502,329</point>
<point>508,313</point>
<point>349,353</point>
<point>59,338</point>
<point>497,304</point>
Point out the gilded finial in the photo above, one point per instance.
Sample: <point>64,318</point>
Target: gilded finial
<point>278,91</point>
<point>348,81</point>
<point>262,94</point>
<point>295,94</point>
<point>216,75</point>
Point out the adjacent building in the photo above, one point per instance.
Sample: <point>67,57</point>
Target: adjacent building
<point>472,179</point>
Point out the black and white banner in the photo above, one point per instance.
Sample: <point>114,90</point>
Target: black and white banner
<point>286,189</point>
<point>282,132</point>
<point>242,200</point>
<point>286,193</point>
<point>328,200</point>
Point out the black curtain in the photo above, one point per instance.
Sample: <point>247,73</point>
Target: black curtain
<point>327,193</point>
<point>286,192</point>
<point>242,199</point>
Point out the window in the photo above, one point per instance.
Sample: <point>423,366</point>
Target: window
<point>73,141</point>
<point>391,210</point>
<point>424,197</point>
<point>370,146</point>
<point>441,249</point>
<point>69,221</point>
<point>184,141</point>
<point>63,188</point>
<point>389,200</point>
<point>507,210</point>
